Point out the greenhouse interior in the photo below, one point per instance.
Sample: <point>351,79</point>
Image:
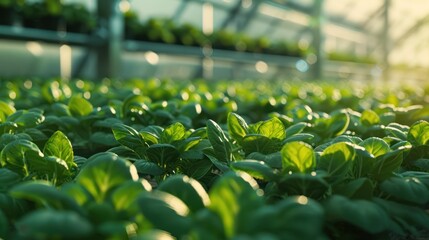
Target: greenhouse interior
<point>214,119</point>
<point>215,39</point>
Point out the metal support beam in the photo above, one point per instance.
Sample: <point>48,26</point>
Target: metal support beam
<point>419,24</point>
<point>233,13</point>
<point>318,41</point>
<point>373,16</point>
<point>336,19</point>
<point>110,24</point>
<point>180,10</point>
<point>245,20</point>
<point>386,40</point>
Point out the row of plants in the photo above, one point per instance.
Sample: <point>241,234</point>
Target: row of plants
<point>75,17</point>
<point>47,14</point>
<point>152,159</point>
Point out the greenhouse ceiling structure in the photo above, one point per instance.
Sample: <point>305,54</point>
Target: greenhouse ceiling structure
<point>344,39</point>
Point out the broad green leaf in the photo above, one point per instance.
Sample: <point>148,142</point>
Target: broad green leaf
<point>338,123</point>
<point>7,138</point>
<point>164,155</point>
<point>337,160</point>
<point>298,137</point>
<point>310,185</point>
<point>369,118</point>
<point>51,224</point>
<point>8,179</point>
<point>274,160</point>
<point>58,145</point>
<point>296,129</point>
<point>125,195</point>
<point>419,133</point>
<point>145,167</point>
<point>411,219</point>
<point>360,188</point>
<point>17,154</point>
<point>103,138</point>
<point>27,118</point>
<point>188,143</point>
<point>136,104</point>
<point>363,214</point>
<point>385,165</point>
<point>222,166</point>
<point>237,127</point>
<point>190,191</point>
<point>116,229</point>
<point>100,212</point>
<point>172,133</point>
<point>406,189</point>
<point>46,194</point>
<point>262,144</point>
<point>149,137</point>
<point>255,168</point>
<point>6,110</point>
<point>104,172</point>
<point>298,157</point>
<point>196,168</point>
<point>375,146</point>
<point>79,106</point>
<point>4,225</point>
<point>273,129</point>
<point>14,208</point>
<point>422,164</point>
<point>304,218</point>
<point>210,225</point>
<point>52,168</point>
<point>60,109</point>
<point>77,192</point>
<point>220,143</point>
<point>394,132</point>
<point>234,197</point>
<point>8,127</point>
<point>166,212</point>
<point>130,138</point>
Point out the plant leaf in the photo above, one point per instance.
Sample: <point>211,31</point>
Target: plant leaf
<point>363,214</point>
<point>104,172</point>
<point>369,118</point>
<point>166,212</point>
<point>8,179</point>
<point>129,137</point>
<point>255,168</point>
<point>406,189</point>
<point>172,133</point>
<point>79,106</point>
<point>273,129</point>
<point>17,154</point>
<point>164,155</point>
<point>337,160</point>
<point>375,146</point>
<point>45,193</point>
<point>298,157</point>
<point>220,143</point>
<point>190,191</point>
<point>237,127</point>
<point>58,145</point>
<point>51,224</point>
<point>234,199</point>
<point>419,133</point>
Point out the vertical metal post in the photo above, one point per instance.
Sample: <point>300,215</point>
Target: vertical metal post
<point>318,38</point>
<point>110,23</point>
<point>386,41</point>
